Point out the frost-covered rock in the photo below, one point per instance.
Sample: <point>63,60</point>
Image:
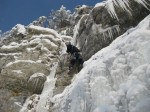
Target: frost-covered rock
<point>39,22</point>
<point>19,29</point>
<point>16,34</point>
<point>90,37</point>
<point>66,39</point>
<point>40,30</point>
<point>84,9</point>
<point>32,102</point>
<point>99,28</point>
<point>26,57</point>
<point>36,82</point>
<point>115,79</point>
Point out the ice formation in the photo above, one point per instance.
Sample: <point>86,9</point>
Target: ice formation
<point>110,5</point>
<point>77,27</point>
<point>115,79</point>
<point>107,32</point>
<point>96,29</point>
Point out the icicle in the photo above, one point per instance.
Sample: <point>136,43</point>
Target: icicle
<point>143,2</point>
<point>117,28</point>
<point>104,37</point>
<point>76,29</point>
<point>76,32</point>
<point>111,9</point>
<point>108,32</point>
<point>36,83</point>
<point>124,4</point>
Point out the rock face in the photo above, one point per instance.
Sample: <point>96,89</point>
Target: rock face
<point>98,29</point>
<point>26,57</point>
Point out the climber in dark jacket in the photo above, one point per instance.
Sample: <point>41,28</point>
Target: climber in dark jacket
<point>72,49</point>
<point>80,62</point>
<point>76,59</point>
<point>76,55</point>
<point>72,62</point>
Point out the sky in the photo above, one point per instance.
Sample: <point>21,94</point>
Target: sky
<point>14,12</point>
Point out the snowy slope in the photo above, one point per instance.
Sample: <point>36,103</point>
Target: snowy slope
<point>115,79</point>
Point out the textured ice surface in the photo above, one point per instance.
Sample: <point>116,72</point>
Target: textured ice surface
<point>116,79</point>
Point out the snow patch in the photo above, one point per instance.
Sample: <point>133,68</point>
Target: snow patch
<point>17,71</point>
<point>38,28</point>
<point>20,29</point>
<point>19,61</point>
